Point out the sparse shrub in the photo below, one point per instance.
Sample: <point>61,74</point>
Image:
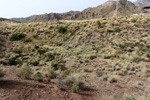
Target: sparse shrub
<point>113,79</point>
<point>133,20</point>
<point>62,29</point>
<point>59,22</point>
<point>28,40</point>
<point>35,36</point>
<point>74,82</point>
<point>50,56</point>
<point>98,23</point>
<point>41,51</point>
<point>130,98</point>
<point>75,87</point>
<point>38,77</point>
<point>117,29</point>
<point>93,56</point>
<point>51,74</point>
<point>2,73</point>
<point>34,61</point>
<point>136,58</point>
<point>56,64</point>
<point>24,72</point>
<point>17,37</point>
<point>99,73</point>
<point>12,62</point>
<point>36,46</point>
<point>65,73</point>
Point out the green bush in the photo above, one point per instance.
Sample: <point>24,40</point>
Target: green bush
<point>12,62</point>
<point>17,37</point>
<point>36,46</point>
<point>93,56</point>
<point>24,72</point>
<point>75,87</point>
<point>74,82</point>
<point>38,77</point>
<point>62,29</point>
<point>56,65</point>
<point>35,36</point>
<point>98,23</point>
<point>133,20</point>
<point>50,56</point>
<point>130,98</point>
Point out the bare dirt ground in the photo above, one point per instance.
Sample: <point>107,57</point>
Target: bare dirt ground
<point>13,88</point>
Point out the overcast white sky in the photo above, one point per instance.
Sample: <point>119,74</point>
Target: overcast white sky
<point>24,8</point>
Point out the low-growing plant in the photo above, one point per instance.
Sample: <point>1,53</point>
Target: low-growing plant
<point>24,72</point>
<point>17,36</point>
<point>93,56</point>
<point>62,29</point>
<point>12,62</point>
<point>38,77</point>
<point>98,23</point>
<point>130,98</point>
<point>74,81</point>
<point>36,46</point>
<point>50,56</point>
<point>75,87</point>
<point>56,65</point>
<point>51,74</point>
<point>2,73</point>
<point>35,36</point>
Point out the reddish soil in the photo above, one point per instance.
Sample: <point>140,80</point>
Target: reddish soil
<point>13,88</point>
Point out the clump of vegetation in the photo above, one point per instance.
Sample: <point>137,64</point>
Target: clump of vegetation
<point>98,23</point>
<point>2,73</point>
<point>51,74</point>
<point>35,36</point>
<point>93,56</point>
<point>38,77</point>
<point>130,98</point>
<point>56,65</point>
<point>50,56</point>
<point>36,46</point>
<point>74,82</point>
<point>133,20</point>
<point>24,72</point>
<point>113,79</point>
<point>17,36</point>
<point>12,62</point>
<point>62,29</point>
<point>75,87</point>
<point>99,73</point>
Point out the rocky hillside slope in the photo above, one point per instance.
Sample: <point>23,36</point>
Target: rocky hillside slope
<point>142,3</point>
<point>108,9</point>
<point>108,57</point>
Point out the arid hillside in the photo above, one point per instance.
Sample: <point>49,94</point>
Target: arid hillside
<point>99,59</point>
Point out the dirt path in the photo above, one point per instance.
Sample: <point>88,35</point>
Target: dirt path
<point>13,88</point>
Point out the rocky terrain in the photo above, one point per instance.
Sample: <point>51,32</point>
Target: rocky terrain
<point>142,3</point>
<point>108,9</point>
<point>98,59</point>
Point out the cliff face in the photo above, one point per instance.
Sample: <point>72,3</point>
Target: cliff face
<point>108,9</point>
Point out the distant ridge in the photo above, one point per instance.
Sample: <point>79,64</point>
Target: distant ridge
<point>4,19</point>
<point>107,9</point>
<point>142,3</point>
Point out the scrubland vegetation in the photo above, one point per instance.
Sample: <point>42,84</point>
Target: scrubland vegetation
<point>72,51</point>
